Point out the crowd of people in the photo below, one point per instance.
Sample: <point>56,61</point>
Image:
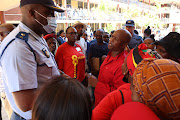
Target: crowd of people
<point>64,76</point>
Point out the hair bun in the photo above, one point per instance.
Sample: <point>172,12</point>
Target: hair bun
<point>148,27</point>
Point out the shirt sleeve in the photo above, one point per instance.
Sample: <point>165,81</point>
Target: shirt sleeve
<point>19,67</point>
<point>105,109</point>
<point>117,79</point>
<point>59,58</point>
<point>107,88</point>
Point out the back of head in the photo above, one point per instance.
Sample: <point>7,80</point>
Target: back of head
<point>5,29</point>
<point>147,31</point>
<point>62,99</point>
<point>60,32</point>
<point>157,83</point>
<point>133,111</point>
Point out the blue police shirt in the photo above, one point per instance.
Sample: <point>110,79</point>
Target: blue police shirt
<point>135,40</point>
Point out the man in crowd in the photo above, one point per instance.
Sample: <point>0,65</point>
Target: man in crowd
<point>81,28</point>
<point>110,75</point>
<point>106,37</point>
<point>97,50</point>
<point>5,29</point>
<point>136,39</point>
<point>61,37</point>
<point>25,58</point>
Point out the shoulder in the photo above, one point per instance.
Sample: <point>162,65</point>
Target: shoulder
<point>138,37</point>
<point>105,44</point>
<point>93,44</point>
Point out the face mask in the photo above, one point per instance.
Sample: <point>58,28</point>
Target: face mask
<point>51,26</point>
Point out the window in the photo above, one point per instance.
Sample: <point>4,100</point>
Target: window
<point>80,4</point>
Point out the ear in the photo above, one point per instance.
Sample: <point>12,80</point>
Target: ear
<point>32,13</point>
<point>125,45</point>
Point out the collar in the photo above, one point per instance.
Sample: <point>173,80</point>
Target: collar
<point>120,54</point>
<point>28,30</point>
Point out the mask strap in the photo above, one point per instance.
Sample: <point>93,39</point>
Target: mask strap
<point>38,22</point>
<point>40,14</point>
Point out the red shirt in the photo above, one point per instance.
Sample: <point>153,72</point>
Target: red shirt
<point>71,60</point>
<point>105,109</point>
<point>110,76</point>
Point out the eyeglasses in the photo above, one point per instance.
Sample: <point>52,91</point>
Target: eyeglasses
<point>72,33</point>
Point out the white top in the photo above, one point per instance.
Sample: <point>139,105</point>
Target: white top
<point>83,44</point>
<point>20,70</point>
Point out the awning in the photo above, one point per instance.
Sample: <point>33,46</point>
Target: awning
<point>8,4</point>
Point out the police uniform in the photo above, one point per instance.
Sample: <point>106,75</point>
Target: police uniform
<point>135,40</point>
<point>26,63</point>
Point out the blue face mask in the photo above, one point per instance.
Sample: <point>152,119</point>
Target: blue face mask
<point>51,26</point>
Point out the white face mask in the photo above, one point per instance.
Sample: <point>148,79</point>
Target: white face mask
<point>51,26</point>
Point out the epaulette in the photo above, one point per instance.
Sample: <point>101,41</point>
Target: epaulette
<point>138,37</point>
<point>23,36</point>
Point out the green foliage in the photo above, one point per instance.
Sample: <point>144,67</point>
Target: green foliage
<point>110,27</point>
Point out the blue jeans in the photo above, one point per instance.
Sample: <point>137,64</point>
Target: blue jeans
<point>15,116</point>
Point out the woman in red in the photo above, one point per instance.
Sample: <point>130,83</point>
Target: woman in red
<point>105,109</point>
<point>70,58</point>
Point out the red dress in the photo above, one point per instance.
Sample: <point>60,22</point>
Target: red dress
<point>105,109</point>
<point>110,76</point>
<point>71,60</point>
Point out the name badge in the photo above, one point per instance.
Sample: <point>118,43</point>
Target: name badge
<point>46,53</point>
<point>78,49</point>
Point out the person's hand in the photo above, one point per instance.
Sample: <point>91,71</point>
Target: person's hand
<point>64,75</point>
<point>92,80</point>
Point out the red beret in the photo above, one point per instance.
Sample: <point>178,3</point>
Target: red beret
<point>46,37</point>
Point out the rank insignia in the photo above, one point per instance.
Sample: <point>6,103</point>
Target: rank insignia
<point>46,53</point>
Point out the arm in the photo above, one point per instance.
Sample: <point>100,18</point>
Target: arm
<point>24,99</point>
<point>105,109</point>
<point>109,87</point>
<point>21,74</point>
<point>59,59</point>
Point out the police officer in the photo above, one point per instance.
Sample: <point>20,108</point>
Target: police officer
<point>25,59</point>
<point>136,39</point>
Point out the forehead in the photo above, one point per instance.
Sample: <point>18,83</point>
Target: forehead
<point>148,40</point>
<point>84,33</point>
<point>52,39</point>
<point>129,26</point>
<point>106,35</point>
<point>116,34</point>
<point>79,26</point>
<point>71,29</point>
<point>99,32</point>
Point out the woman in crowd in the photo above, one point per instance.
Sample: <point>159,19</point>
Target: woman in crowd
<point>169,46</point>
<point>156,83</point>
<point>147,32</point>
<point>62,99</point>
<point>105,109</point>
<point>70,58</point>
<point>51,41</point>
<point>149,42</point>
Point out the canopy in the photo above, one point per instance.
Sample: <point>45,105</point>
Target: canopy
<point>8,4</point>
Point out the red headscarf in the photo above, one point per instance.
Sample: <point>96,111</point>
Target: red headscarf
<point>137,54</point>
